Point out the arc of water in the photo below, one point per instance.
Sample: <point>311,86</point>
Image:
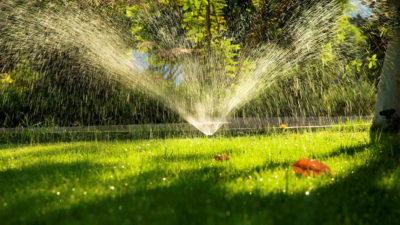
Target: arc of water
<point>205,106</point>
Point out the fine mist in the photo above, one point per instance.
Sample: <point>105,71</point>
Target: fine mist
<point>201,89</point>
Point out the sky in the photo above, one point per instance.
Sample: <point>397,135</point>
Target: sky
<point>357,8</point>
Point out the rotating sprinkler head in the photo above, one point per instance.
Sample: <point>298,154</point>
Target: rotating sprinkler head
<point>207,127</point>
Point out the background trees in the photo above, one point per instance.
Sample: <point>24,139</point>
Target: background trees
<point>340,82</point>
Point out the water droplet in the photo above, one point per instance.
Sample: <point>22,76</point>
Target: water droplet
<point>307,193</point>
<point>58,193</point>
<point>261,180</point>
<point>112,187</point>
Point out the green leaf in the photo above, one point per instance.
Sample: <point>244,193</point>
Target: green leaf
<point>139,38</point>
<point>200,35</point>
<point>129,13</point>
<point>192,31</point>
<point>231,75</point>
<point>186,6</point>
<point>374,56</point>
<point>197,3</point>
<point>370,65</point>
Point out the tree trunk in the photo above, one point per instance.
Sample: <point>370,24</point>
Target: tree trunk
<point>208,19</point>
<point>387,106</point>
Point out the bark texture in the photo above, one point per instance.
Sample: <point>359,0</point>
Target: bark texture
<point>388,97</point>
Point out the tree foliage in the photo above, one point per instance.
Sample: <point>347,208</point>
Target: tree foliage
<point>349,62</point>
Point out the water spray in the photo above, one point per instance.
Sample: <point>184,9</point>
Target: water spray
<point>204,97</point>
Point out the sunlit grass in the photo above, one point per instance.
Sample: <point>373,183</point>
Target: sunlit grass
<point>176,181</point>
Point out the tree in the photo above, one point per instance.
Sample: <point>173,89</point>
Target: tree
<point>387,107</point>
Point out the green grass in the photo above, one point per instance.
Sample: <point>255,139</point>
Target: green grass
<point>175,181</point>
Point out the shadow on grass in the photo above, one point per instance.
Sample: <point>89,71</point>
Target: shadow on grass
<point>349,151</point>
<point>48,172</point>
<point>15,152</point>
<point>358,198</point>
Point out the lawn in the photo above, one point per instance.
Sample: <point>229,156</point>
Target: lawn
<point>176,181</point>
